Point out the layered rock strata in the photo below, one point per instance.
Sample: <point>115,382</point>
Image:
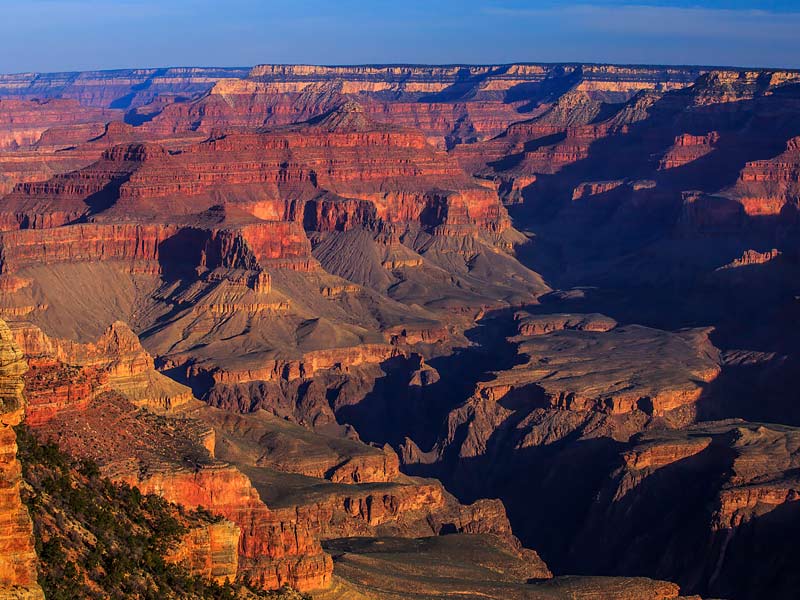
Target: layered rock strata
<point>18,573</point>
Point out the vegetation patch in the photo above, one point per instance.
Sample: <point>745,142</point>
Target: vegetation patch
<point>98,540</point>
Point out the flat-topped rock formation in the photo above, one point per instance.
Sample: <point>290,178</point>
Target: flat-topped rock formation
<point>452,105</point>
<point>532,324</point>
<point>609,371</point>
<point>120,88</point>
<point>431,568</point>
<point>770,187</point>
<point>582,386</point>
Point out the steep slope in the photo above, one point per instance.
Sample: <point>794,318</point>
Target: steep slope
<point>97,539</point>
<point>738,498</point>
<point>450,104</point>
<point>18,567</point>
<point>215,239</point>
<point>280,488</point>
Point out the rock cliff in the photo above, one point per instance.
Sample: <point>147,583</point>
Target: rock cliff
<point>18,573</point>
<point>295,294</point>
<point>743,491</point>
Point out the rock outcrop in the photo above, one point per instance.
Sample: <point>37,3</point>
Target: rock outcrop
<point>67,375</point>
<point>23,122</point>
<point>121,88</point>
<point>752,257</point>
<point>210,551</point>
<point>18,574</point>
<point>737,488</point>
<point>244,468</point>
<point>770,187</point>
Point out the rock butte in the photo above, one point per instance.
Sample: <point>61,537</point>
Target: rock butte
<point>429,330</point>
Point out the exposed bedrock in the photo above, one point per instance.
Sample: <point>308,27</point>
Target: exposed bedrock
<point>18,560</point>
<point>711,497</point>
<point>326,257</point>
<point>279,487</point>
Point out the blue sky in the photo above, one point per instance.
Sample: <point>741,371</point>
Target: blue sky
<point>57,35</point>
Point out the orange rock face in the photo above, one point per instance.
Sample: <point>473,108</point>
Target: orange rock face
<point>688,148</point>
<point>253,542</point>
<point>530,325</point>
<point>67,375</point>
<point>753,257</point>
<point>312,362</point>
<point>272,551</point>
<point>594,188</point>
<point>768,187</point>
<point>18,576</point>
<point>210,551</point>
<point>313,252</point>
<point>24,122</point>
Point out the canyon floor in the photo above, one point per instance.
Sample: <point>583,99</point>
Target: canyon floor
<point>513,331</point>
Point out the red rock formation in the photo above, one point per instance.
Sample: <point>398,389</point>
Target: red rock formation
<point>63,149</point>
<point>653,456</point>
<point>529,324</point>
<point>688,148</point>
<point>450,104</point>
<point>241,201</point>
<point>209,551</point>
<point>151,452</point>
<point>67,375</point>
<point>290,269</point>
<point>595,188</point>
<point>298,160</point>
<point>386,502</point>
<point>23,122</point>
<point>306,367</point>
<point>752,257</point>
<point>766,187</point>
<point>279,544</point>
<point>734,482</point>
<point>559,367</point>
<point>283,245</point>
<point>272,551</point>
<point>18,576</point>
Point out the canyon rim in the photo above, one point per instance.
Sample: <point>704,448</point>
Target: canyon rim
<point>517,330</point>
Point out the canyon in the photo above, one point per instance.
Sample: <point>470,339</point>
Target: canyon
<point>509,331</point>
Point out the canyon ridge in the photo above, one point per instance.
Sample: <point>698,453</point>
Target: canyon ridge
<point>520,331</point>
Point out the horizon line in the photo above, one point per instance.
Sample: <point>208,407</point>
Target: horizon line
<point>412,65</point>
